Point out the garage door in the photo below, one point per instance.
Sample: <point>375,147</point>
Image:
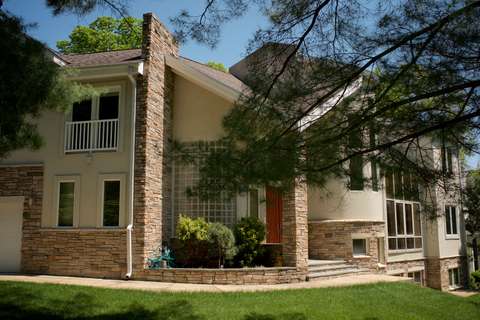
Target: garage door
<point>11,213</point>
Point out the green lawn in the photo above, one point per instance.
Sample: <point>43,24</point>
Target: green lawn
<point>379,301</point>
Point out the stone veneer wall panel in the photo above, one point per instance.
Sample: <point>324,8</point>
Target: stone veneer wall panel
<point>295,228</point>
<point>437,271</point>
<point>153,136</point>
<point>332,239</point>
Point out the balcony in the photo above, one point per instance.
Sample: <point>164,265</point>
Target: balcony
<point>93,135</point>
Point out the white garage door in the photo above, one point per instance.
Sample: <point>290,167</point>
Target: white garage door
<point>11,213</point>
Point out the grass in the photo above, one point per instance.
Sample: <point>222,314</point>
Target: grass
<point>379,301</point>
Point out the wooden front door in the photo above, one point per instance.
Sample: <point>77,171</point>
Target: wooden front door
<point>274,215</point>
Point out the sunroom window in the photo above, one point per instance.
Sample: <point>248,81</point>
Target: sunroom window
<point>403,211</point>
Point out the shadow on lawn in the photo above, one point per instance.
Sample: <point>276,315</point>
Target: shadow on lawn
<point>21,304</point>
<point>18,304</point>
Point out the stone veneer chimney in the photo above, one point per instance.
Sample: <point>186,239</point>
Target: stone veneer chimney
<point>153,136</point>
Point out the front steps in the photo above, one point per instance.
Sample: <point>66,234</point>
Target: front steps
<point>324,269</point>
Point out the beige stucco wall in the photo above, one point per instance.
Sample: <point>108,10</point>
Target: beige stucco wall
<point>87,166</point>
<point>336,201</point>
<point>197,113</point>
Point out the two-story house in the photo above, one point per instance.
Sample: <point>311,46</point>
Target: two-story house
<point>103,193</point>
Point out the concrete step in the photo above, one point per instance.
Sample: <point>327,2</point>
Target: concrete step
<point>312,263</point>
<point>336,273</point>
<point>335,267</point>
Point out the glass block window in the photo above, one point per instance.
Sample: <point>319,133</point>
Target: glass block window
<point>186,174</point>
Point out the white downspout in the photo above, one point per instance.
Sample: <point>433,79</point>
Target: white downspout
<point>128,275</point>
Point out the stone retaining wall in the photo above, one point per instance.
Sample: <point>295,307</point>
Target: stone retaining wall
<point>223,276</point>
<point>332,239</point>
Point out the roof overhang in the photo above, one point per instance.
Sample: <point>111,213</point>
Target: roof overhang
<point>318,112</point>
<point>106,71</point>
<point>202,79</point>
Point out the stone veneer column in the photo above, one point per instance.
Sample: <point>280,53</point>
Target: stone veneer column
<point>295,227</point>
<point>153,136</point>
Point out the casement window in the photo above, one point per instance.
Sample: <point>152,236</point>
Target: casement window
<point>417,276</point>
<point>373,168</point>
<point>404,225</point>
<point>112,200</point>
<point>447,160</point>
<point>359,247</point>
<point>67,191</point>
<point>253,203</point>
<point>356,162</point>
<point>451,221</point>
<point>93,124</point>
<point>373,161</point>
<point>453,278</point>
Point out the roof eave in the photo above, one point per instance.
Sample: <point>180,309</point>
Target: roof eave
<point>107,70</point>
<point>202,79</point>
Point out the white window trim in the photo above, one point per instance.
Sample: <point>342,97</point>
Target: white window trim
<point>452,236</point>
<point>76,202</point>
<point>100,194</point>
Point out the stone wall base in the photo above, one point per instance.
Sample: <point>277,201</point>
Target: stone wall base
<point>223,276</point>
<point>91,253</point>
<point>333,239</point>
<point>437,271</point>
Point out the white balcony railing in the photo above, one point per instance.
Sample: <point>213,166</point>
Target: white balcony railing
<point>94,135</point>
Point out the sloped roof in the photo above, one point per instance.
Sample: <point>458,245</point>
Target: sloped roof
<point>224,77</point>
<point>132,55</point>
<point>102,58</point>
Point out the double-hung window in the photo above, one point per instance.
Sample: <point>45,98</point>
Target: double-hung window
<point>451,221</point>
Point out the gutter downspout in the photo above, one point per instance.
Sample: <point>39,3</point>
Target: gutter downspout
<point>133,81</point>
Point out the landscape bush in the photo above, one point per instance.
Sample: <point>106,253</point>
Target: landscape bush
<point>221,243</point>
<point>249,233</point>
<point>202,244</point>
<point>475,280</point>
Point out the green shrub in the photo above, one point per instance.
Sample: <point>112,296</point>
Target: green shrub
<point>249,233</point>
<point>475,280</point>
<point>192,229</point>
<point>221,243</point>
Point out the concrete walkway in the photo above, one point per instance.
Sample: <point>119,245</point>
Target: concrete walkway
<point>182,287</point>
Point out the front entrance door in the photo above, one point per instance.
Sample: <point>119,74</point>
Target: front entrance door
<point>274,215</point>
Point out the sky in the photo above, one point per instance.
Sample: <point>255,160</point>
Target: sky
<point>232,46</point>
